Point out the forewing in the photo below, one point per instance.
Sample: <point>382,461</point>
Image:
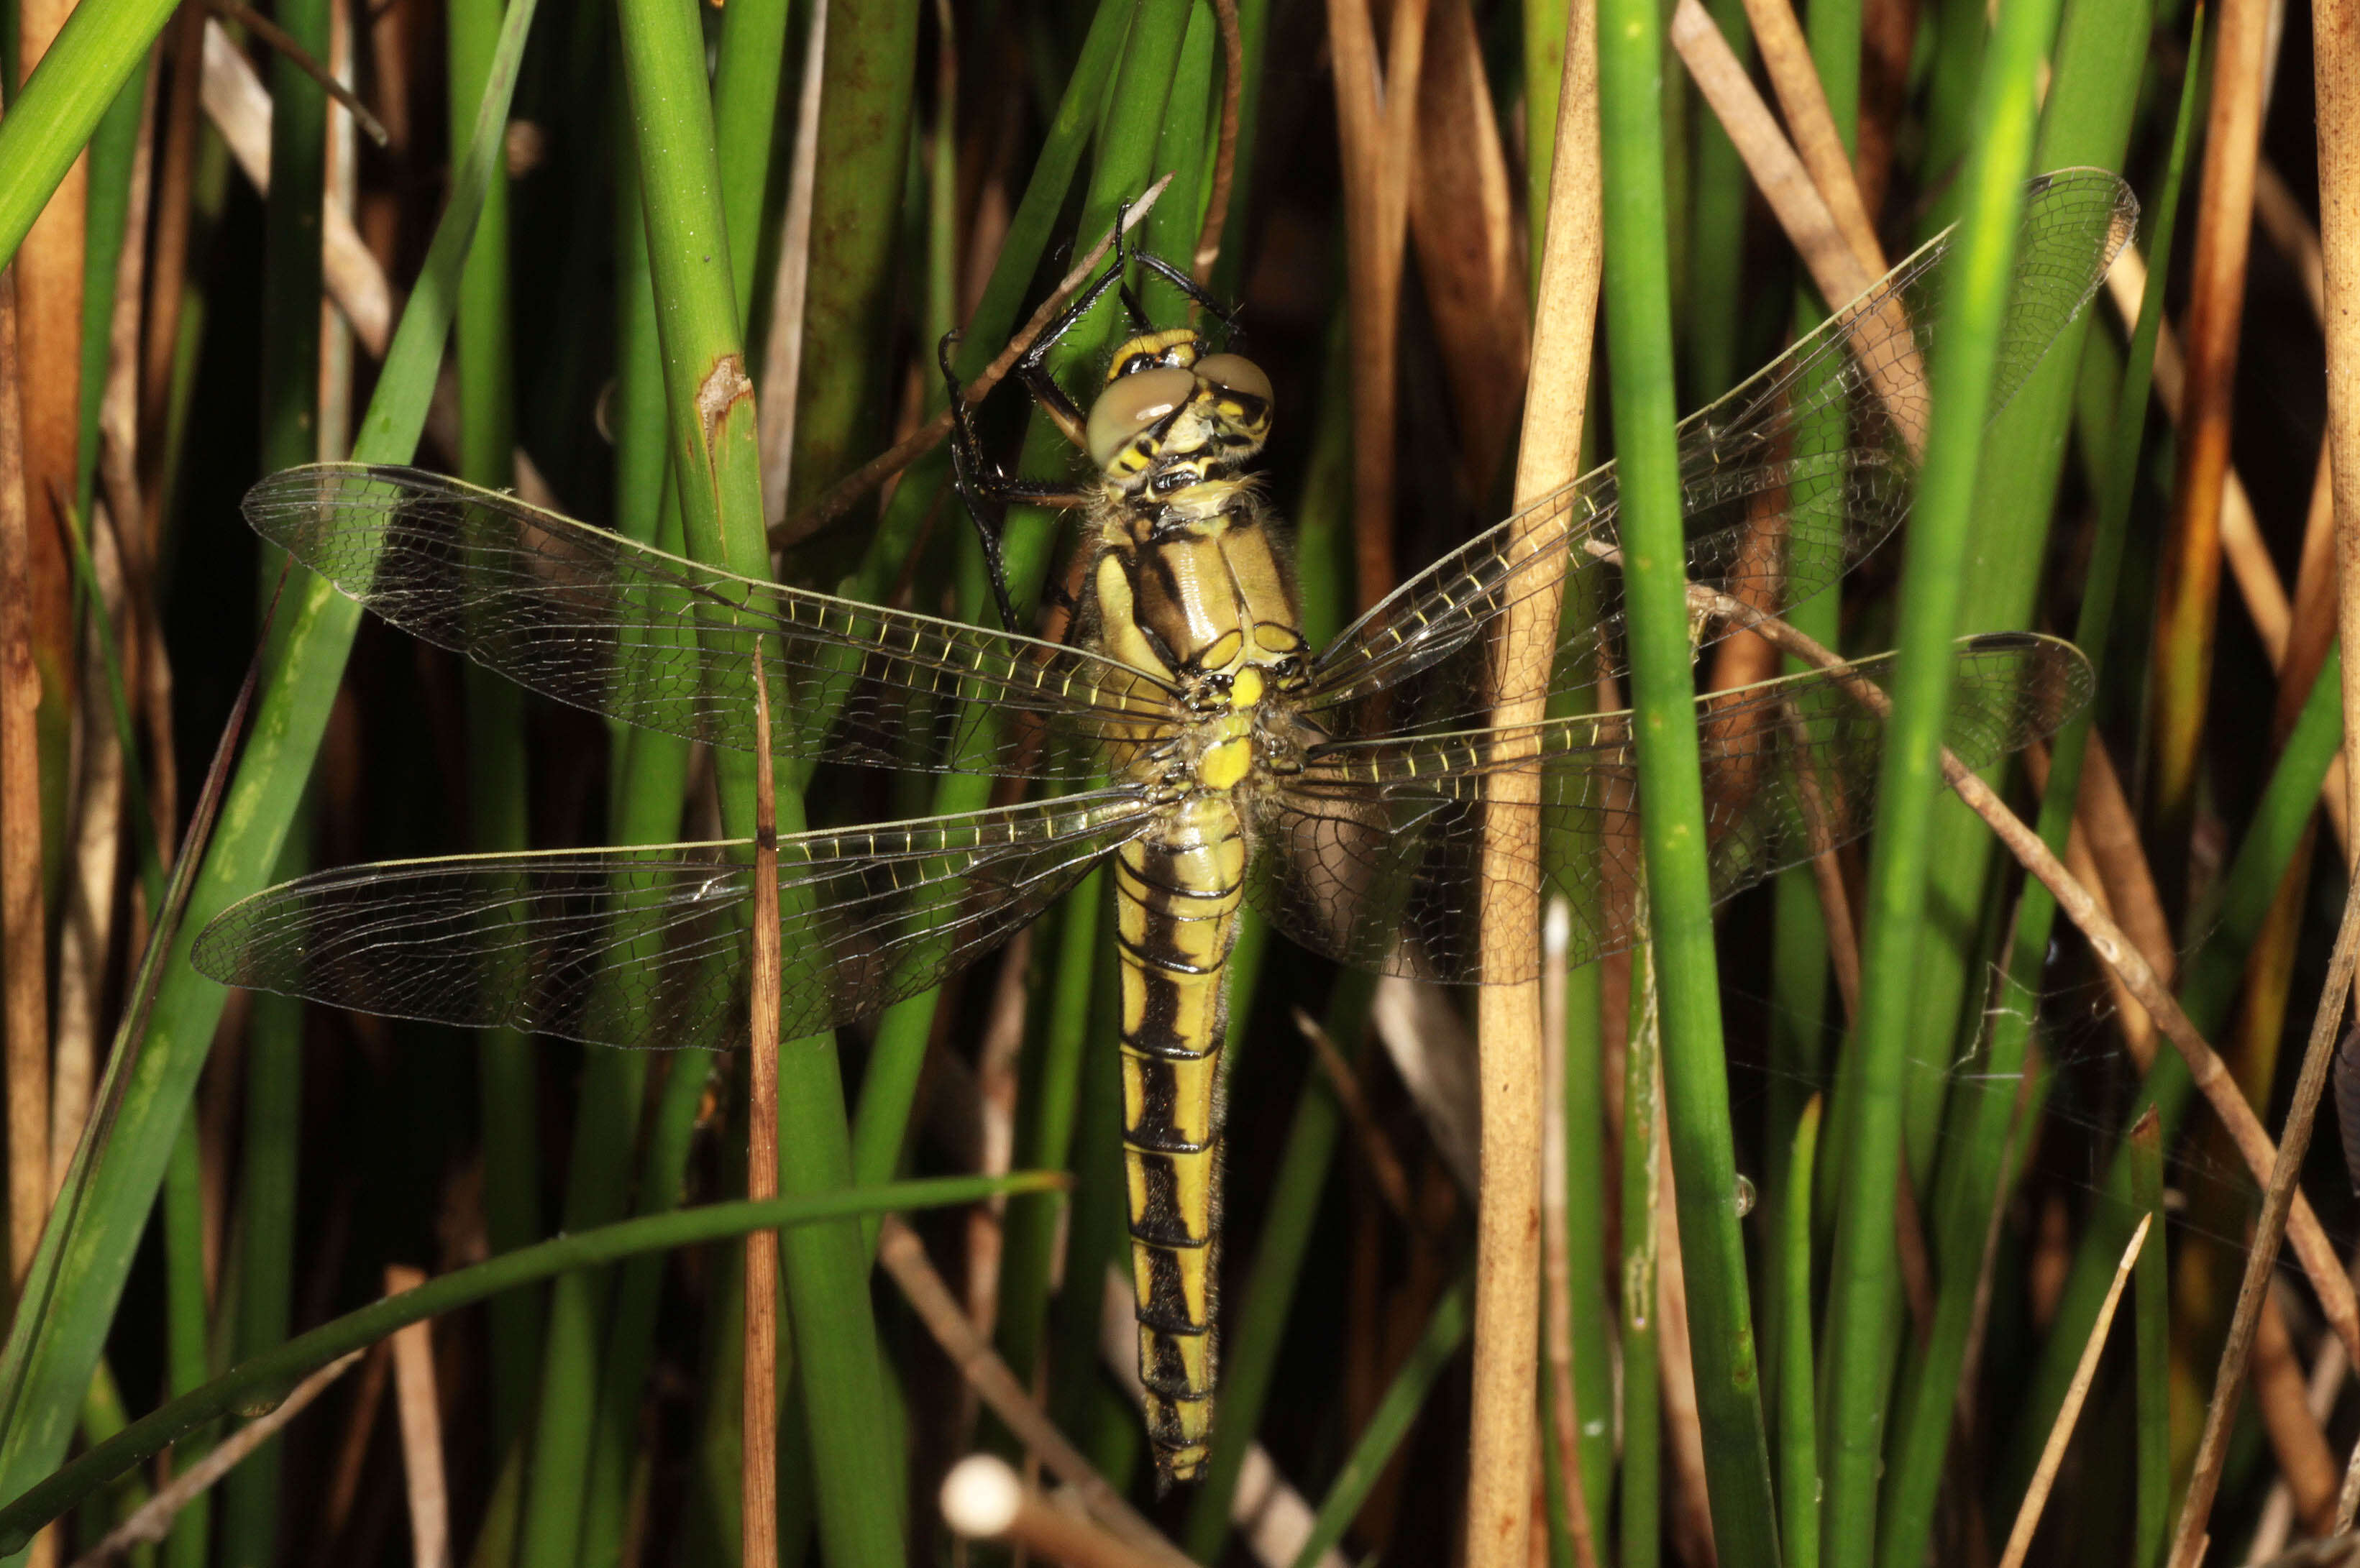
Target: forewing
<point>1377,856</point>
<point>591,618</point>
<point>1786,482</point>
<point>647,947</point>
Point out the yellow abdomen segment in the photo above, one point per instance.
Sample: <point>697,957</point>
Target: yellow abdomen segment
<point>1177,896</point>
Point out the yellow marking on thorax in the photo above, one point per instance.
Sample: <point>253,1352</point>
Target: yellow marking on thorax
<point>1230,758</point>
<point>1118,618</point>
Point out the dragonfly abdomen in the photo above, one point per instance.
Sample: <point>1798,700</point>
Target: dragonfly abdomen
<point>1177,892</point>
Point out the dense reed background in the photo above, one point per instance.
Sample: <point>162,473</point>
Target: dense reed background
<point>576,217</point>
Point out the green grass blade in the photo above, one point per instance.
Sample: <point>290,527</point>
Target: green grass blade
<point>1979,1131</point>
<point>273,1066</point>
<point>630,1334</point>
<point>1446,1333</point>
<point>1250,1349</point>
<point>262,1381</point>
<point>2152,1311</point>
<point>1126,143</point>
<point>1045,1110</point>
<point>51,1355</point>
<point>185,1366</point>
<point>1798,1424</point>
<point>2276,827</point>
<point>745,111</point>
<point>483,352</point>
<point>1639,331</point>
<point>64,100</point>
<point>653,772</point>
<point>111,150</point>
<point>1098,1242</point>
<point>1716,282</point>
<point>717,477</point>
<point>1865,1284</point>
<point>264,1290</point>
<point>864,149</point>
<point>597,1185</point>
<point>1586,1231</point>
<point>2093,99</point>
<point>1640,1538</point>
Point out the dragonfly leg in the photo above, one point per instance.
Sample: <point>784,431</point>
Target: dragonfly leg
<point>1197,293</point>
<point>987,491</point>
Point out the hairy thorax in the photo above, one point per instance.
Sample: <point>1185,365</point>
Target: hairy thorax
<point>1197,589</point>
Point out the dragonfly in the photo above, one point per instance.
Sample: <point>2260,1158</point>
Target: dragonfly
<point>1188,735</point>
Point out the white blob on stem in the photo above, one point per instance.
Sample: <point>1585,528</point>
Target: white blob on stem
<point>982,1497</point>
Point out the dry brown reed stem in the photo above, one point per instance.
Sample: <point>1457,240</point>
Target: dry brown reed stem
<point>2279,211</point>
<point>239,107</point>
<point>419,1409</point>
<point>86,934</point>
<point>2106,856</point>
<point>360,1426</point>
<point>48,268</point>
<point>2311,627</point>
<point>94,834</point>
<point>2241,544</point>
<point>2281,1192</point>
<point>1888,40</point>
<point>167,277</point>
<point>2036,1497</point>
<point>2306,1464</point>
<point>1505,1436</point>
<point>1376,109</point>
<point>156,1516</point>
<point>278,38</point>
<point>23,935</point>
<point>982,1499</point>
<point>147,670</point>
<point>340,189</point>
<point>2189,592</point>
<point>904,1256</point>
<point>2324,1384</point>
<point>2104,813</point>
<point>1843,935</point>
<point>1779,174</point>
<point>759,1510</point>
<point>1971,1357</point>
<point>2335,43</point>
<point>2113,948</point>
<point>1676,1410</point>
<point>1471,265</point>
<point>839,496</point>
<point>998,1082</point>
<point>2248,556</point>
<point>2335,33</point>
<point>1796,79</point>
<point>1225,153</point>
<point>1385,1165</point>
<point>1556,1259</point>
<point>1839,272</point>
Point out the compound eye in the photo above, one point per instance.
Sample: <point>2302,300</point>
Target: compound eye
<point>1235,373</point>
<point>1132,403</point>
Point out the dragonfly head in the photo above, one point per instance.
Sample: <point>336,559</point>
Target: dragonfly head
<point>1173,415</point>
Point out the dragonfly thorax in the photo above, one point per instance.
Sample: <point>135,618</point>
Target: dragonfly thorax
<point>1241,728</point>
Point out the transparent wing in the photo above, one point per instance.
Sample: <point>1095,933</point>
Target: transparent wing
<point>1376,855</point>
<point>647,947</point>
<point>591,618</point>
<point>1786,482</point>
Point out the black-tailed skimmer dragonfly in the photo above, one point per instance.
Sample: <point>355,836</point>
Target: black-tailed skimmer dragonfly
<point>1204,748</point>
